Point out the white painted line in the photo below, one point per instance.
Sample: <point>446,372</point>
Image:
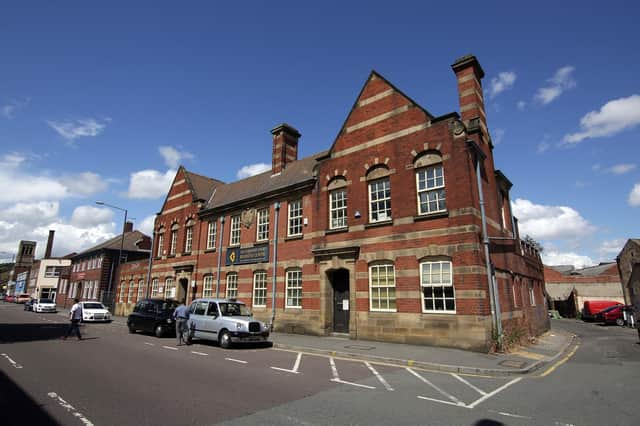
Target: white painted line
<point>169,347</point>
<point>337,379</point>
<point>199,353</point>
<point>451,397</point>
<point>15,364</point>
<point>64,404</point>
<point>502,413</point>
<point>150,344</point>
<point>489,395</point>
<point>295,366</point>
<point>236,360</point>
<point>458,404</point>
<point>480,391</point>
<point>380,378</point>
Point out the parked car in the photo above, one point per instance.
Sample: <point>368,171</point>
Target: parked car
<point>44,305</point>
<point>611,315</point>
<point>93,311</point>
<point>10,298</point>
<point>224,321</point>
<point>28,306</point>
<point>153,316</point>
<point>23,298</point>
<point>592,307</point>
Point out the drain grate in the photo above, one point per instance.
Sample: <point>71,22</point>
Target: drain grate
<point>512,363</point>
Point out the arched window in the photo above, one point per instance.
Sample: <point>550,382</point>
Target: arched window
<point>338,203</point>
<point>188,236</point>
<point>379,194</point>
<point>160,243</point>
<point>430,183</point>
<point>174,239</point>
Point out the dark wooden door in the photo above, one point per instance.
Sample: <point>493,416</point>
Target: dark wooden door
<point>341,306</point>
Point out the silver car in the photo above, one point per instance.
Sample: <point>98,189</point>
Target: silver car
<point>224,321</point>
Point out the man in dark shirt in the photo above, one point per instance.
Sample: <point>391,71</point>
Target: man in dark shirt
<point>181,315</point>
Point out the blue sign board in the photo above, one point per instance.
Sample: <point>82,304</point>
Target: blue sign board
<point>242,256</point>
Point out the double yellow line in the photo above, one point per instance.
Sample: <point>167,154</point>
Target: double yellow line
<point>559,363</point>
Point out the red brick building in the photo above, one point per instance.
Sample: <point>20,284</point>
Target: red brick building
<point>401,231</point>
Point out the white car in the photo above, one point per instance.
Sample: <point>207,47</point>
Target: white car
<point>44,305</point>
<point>94,311</point>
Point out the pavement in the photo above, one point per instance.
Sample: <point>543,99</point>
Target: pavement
<point>523,360</point>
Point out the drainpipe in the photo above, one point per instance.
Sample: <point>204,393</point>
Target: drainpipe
<point>493,293</point>
<point>153,234</point>
<point>219,257</point>
<point>275,266</point>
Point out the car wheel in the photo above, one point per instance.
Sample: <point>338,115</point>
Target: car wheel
<point>224,340</point>
<point>620,322</point>
<point>132,329</point>
<point>159,331</point>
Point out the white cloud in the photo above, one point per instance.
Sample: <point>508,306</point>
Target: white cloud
<point>84,217</point>
<point>84,184</point>
<point>17,187</point>
<point>253,169</point>
<point>71,130</point>
<point>614,117</point>
<point>549,222</point>
<point>11,160</point>
<point>521,105</point>
<point>620,169</point>
<point>610,249</point>
<point>150,184</point>
<point>498,136</point>
<point>31,213</point>
<point>9,110</point>
<point>552,257</point>
<point>146,226</point>
<point>502,82</point>
<point>560,82</point>
<point>634,196</point>
<point>173,157</point>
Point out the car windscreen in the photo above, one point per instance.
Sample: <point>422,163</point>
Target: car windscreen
<point>93,306</point>
<point>168,306</point>
<point>45,301</point>
<point>234,309</point>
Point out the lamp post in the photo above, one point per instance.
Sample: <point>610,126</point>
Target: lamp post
<point>124,224</point>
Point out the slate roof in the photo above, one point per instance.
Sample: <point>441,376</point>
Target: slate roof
<point>586,272</point>
<point>129,244</point>
<point>201,186</point>
<point>254,187</point>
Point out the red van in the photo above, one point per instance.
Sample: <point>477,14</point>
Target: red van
<point>611,315</point>
<point>592,307</point>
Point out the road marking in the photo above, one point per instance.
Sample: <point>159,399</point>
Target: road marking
<point>559,363</point>
<point>502,413</point>
<point>236,360</point>
<point>295,366</point>
<point>150,344</point>
<point>495,392</point>
<point>199,353</point>
<point>458,404</point>
<point>169,347</point>
<point>451,397</point>
<point>336,378</point>
<point>64,404</point>
<point>15,364</point>
<point>380,378</point>
<point>480,391</point>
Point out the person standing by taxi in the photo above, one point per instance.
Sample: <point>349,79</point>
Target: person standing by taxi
<point>181,315</point>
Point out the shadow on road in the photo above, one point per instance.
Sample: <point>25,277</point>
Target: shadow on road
<point>14,333</point>
<point>17,407</point>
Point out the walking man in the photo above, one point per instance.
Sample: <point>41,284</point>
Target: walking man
<point>75,315</point>
<point>181,315</point>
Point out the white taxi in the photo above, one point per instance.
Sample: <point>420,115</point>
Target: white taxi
<point>93,311</point>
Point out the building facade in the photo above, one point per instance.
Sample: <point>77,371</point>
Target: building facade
<point>628,262</point>
<point>401,231</point>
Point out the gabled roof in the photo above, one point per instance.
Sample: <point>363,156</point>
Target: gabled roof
<point>130,239</point>
<point>262,185</point>
<point>201,186</point>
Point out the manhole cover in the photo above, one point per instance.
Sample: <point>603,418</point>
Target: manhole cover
<point>512,364</point>
<point>360,347</point>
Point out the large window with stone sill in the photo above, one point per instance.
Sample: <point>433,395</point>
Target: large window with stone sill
<point>262,228</point>
<point>380,200</point>
<point>382,287</point>
<point>232,285</point>
<point>338,208</point>
<point>431,190</point>
<point>259,289</point>
<point>436,282</point>
<point>295,218</point>
<point>234,237</point>
<point>211,235</point>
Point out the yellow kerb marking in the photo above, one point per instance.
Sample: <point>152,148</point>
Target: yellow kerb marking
<point>559,363</point>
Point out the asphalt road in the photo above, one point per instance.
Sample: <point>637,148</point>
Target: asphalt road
<point>115,378</point>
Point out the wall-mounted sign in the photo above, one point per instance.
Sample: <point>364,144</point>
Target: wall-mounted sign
<point>242,256</point>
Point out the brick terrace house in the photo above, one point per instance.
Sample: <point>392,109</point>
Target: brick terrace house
<point>568,288</point>
<point>93,271</point>
<point>132,278</point>
<point>401,231</point>
<point>628,261</point>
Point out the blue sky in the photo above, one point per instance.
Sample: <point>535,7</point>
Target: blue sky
<point>103,102</point>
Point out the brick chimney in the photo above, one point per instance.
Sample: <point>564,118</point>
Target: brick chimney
<point>469,75</point>
<point>128,227</point>
<point>285,147</point>
<point>47,251</point>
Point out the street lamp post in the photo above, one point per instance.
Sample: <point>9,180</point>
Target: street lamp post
<point>124,225</point>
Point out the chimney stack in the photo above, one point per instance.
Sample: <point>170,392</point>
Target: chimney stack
<point>285,147</point>
<point>128,227</point>
<point>47,252</point>
<point>469,75</point>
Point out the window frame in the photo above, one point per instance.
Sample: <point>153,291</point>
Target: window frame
<point>262,224</point>
<point>341,211</point>
<point>123,287</point>
<point>436,189</point>
<point>294,222</point>
<point>212,231</point>
<point>235,231</point>
<point>141,289</point>
<point>293,285</point>
<point>532,294</point>
<point>173,247</point>
<point>263,282</point>
<point>168,288</point>
<point>434,285</point>
<point>376,266</point>
<point>188,238</point>
<point>155,285</point>
<point>370,185</point>
<point>160,238</point>
<point>207,286</point>
<point>131,291</point>
<point>229,288</point>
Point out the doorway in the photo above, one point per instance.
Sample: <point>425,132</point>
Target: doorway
<point>339,279</point>
<point>182,290</point>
